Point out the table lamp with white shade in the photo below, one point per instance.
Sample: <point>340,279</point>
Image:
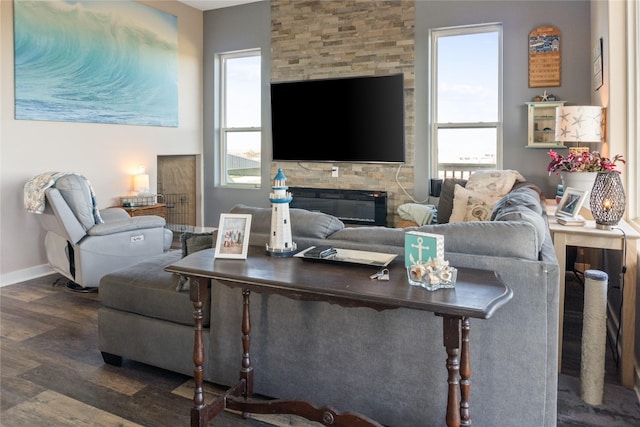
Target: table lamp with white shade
<point>580,124</point>
<point>141,182</point>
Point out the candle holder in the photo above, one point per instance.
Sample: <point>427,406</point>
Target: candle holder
<point>607,200</point>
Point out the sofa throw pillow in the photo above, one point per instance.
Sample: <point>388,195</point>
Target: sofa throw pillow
<point>494,183</point>
<point>194,242</point>
<point>445,204</point>
<point>191,243</point>
<point>471,205</point>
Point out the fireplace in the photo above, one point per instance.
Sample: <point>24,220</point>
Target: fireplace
<point>362,207</point>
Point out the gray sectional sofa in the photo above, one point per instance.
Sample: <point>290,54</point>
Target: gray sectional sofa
<point>388,365</point>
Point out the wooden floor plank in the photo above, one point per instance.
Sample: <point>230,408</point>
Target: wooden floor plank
<point>20,328</point>
<point>16,390</point>
<point>185,390</point>
<point>14,361</point>
<point>60,410</point>
<point>116,382</point>
<point>29,293</point>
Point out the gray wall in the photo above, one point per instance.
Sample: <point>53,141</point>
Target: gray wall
<point>518,18</point>
<point>248,26</point>
<point>225,30</point>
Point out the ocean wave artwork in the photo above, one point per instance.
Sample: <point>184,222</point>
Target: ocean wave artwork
<point>95,61</point>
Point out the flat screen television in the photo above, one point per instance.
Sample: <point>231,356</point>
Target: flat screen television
<point>356,119</point>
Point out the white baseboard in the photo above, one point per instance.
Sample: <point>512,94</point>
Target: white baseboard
<point>26,274</point>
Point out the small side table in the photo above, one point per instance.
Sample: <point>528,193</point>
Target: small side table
<point>588,236</point>
<point>159,209</point>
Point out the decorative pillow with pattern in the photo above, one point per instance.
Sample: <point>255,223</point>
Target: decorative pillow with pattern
<point>494,183</point>
<point>471,205</point>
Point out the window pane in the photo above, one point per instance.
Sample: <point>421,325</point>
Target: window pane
<point>240,125</point>
<point>243,157</point>
<point>467,146</point>
<point>467,73</point>
<point>242,97</point>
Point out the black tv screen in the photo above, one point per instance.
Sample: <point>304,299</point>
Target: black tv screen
<point>358,119</point>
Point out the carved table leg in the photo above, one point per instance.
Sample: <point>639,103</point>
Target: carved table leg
<point>451,338</point>
<point>246,372</point>
<point>456,341</point>
<point>198,293</point>
<point>465,374</point>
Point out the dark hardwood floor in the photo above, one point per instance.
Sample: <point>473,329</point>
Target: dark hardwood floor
<point>53,374</point>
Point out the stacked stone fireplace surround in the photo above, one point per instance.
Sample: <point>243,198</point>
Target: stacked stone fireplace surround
<point>330,39</point>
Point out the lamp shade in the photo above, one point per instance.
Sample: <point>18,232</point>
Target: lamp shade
<point>141,183</point>
<point>607,200</point>
<point>579,124</point>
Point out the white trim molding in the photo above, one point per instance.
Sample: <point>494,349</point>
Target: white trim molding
<point>26,274</point>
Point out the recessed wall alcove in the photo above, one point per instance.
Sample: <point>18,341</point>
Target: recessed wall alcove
<point>177,185</point>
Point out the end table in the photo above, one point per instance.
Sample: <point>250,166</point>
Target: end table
<point>159,209</point>
<point>623,238</point>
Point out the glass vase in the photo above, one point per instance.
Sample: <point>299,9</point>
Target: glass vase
<point>432,279</point>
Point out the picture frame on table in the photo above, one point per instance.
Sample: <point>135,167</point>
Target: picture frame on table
<point>233,236</point>
<point>571,202</point>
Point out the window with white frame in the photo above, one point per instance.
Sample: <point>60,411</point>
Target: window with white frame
<point>465,92</point>
<point>240,118</point>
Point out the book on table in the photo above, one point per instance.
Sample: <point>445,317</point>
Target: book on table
<point>571,220</point>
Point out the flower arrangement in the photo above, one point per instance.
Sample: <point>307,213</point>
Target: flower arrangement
<point>587,161</point>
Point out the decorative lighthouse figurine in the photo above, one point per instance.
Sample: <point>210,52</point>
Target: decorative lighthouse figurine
<point>280,243</point>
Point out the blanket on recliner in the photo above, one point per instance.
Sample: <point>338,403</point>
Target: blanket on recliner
<point>34,192</point>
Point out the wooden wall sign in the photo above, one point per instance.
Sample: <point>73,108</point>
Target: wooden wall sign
<point>544,57</point>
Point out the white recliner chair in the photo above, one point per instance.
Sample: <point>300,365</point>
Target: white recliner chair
<point>83,244</point>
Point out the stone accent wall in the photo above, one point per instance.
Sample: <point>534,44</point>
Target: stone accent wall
<point>327,39</point>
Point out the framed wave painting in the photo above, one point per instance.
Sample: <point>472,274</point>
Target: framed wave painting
<point>95,61</point>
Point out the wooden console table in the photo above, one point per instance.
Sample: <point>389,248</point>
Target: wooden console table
<point>622,238</point>
<point>478,294</point>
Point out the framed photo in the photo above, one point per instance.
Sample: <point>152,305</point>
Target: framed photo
<point>571,202</point>
<point>233,236</point>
